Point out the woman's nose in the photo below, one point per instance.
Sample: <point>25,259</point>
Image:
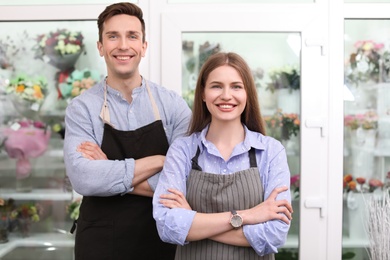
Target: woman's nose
<point>226,93</point>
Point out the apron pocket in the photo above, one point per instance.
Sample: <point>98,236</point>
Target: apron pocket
<point>89,234</point>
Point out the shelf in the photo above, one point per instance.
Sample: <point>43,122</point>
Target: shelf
<point>37,240</point>
<point>36,194</point>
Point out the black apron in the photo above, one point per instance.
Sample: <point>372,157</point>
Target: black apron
<point>122,226</point>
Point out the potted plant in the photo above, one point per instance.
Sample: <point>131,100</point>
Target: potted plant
<point>286,77</point>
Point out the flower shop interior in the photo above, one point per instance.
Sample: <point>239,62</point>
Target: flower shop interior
<point>322,72</point>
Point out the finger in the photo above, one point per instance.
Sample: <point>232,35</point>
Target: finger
<point>286,213</point>
<point>176,192</point>
<point>276,192</point>
<point>285,203</point>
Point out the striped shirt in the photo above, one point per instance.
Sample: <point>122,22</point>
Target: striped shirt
<point>173,224</point>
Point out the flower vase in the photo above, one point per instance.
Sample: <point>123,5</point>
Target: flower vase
<point>362,151</point>
<point>358,214</point>
<point>24,183</point>
<point>291,145</point>
<point>4,225</point>
<point>5,76</point>
<point>24,225</point>
<point>288,100</point>
<point>266,98</point>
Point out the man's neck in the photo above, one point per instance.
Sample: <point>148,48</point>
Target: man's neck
<point>125,86</point>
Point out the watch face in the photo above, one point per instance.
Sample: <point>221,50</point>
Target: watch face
<point>236,221</point>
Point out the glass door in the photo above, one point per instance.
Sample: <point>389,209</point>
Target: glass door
<point>288,58</point>
<point>367,137</point>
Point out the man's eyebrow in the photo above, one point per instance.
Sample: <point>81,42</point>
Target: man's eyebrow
<point>128,32</point>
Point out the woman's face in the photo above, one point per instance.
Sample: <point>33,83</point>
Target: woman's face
<point>225,95</point>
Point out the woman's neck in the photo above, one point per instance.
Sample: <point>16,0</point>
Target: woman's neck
<point>225,137</point>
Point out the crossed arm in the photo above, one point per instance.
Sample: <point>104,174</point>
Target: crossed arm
<point>144,167</point>
<point>216,226</point>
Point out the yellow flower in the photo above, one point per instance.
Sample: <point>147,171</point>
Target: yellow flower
<point>38,92</point>
<point>20,89</point>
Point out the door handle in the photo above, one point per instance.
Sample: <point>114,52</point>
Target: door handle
<point>316,203</point>
<point>317,123</point>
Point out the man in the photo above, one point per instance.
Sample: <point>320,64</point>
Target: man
<point>117,135</point>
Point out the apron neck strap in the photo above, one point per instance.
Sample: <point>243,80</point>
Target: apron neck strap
<point>154,106</point>
<point>105,113</point>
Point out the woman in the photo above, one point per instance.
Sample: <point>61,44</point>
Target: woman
<point>224,189</point>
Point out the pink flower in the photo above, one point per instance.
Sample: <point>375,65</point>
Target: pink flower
<point>294,180</point>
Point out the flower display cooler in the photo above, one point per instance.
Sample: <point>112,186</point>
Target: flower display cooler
<point>323,84</point>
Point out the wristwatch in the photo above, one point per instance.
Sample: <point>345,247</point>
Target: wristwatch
<point>236,219</point>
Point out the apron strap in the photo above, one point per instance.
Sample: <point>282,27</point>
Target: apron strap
<point>105,113</point>
<point>154,106</point>
<point>252,159</point>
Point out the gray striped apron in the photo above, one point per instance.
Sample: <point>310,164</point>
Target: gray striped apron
<point>212,193</point>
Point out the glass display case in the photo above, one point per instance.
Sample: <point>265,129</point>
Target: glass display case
<point>43,65</point>
<point>366,129</point>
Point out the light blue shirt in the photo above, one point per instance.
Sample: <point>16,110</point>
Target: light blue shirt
<point>83,123</point>
<point>173,224</point>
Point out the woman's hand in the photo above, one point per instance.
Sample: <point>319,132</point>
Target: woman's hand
<point>175,199</point>
<point>91,151</point>
<point>269,209</point>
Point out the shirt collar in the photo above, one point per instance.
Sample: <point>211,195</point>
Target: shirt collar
<point>252,139</point>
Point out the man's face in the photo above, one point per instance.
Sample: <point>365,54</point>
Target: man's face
<point>122,46</point>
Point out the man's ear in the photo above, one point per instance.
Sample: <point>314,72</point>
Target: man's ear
<point>99,46</point>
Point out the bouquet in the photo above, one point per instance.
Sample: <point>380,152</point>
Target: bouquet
<point>286,77</point>
<point>7,51</point>
<point>27,88</point>
<point>360,184</point>
<point>73,209</point>
<point>24,215</point>
<point>77,82</point>
<point>29,211</point>
<point>62,47</point>
<point>282,125</point>
<point>363,65</point>
<point>366,121</point>
<point>25,139</point>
